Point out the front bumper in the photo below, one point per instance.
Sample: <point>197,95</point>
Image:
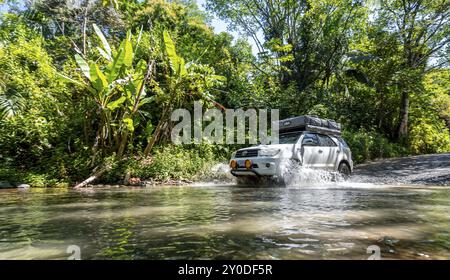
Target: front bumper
<point>261,166</point>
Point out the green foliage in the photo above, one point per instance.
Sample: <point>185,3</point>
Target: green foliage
<point>308,39</point>
<point>36,105</point>
<point>428,137</point>
<point>171,162</point>
<point>176,162</point>
<point>176,62</point>
<point>369,145</point>
<point>117,86</point>
<point>30,177</point>
<point>94,84</point>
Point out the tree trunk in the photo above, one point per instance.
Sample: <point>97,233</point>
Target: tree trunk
<point>93,177</point>
<point>402,131</point>
<point>124,138</point>
<point>155,136</point>
<point>84,31</point>
<point>123,143</point>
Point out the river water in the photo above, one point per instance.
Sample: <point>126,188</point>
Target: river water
<point>213,221</point>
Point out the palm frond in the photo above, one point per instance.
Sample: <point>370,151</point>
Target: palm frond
<point>11,103</point>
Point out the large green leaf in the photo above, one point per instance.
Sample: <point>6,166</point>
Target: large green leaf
<point>103,53</point>
<point>129,124</point>
<point>105,43</point>
<point>141,67</point>
<point>174,60</point>
<point>115,66</point>
<point>68,79</point>
<point>116,103</point>
<point>139,76</point>
<point>128,51</point>
<point>181,67</point>
<point>83,65</point>
<point>11,103</point>
<point>146,100</point>
<point>139,38</point>
<point>219,78</point>
<point>98,79</point>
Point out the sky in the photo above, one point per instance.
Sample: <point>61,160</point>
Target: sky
<point>221,26</point>
<point>218,24</point>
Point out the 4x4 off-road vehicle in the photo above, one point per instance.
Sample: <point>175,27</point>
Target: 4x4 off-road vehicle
<point>311,141</point>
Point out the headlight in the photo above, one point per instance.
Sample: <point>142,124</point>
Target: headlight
<point>268,152</point>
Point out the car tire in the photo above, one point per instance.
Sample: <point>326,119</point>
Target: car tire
<point>344,170</point>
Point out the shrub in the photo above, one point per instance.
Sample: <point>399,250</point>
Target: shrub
<point>178,162</point>
<point>429,137</point>
<point>169,162</point>
<point>368,145</point>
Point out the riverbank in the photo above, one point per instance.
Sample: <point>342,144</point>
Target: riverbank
<point>432,169</point>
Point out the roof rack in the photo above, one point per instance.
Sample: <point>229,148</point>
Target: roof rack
<point>310,123</point>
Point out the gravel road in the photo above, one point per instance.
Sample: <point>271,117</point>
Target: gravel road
<point>431,169</point>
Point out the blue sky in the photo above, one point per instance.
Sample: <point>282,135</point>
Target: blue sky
<point>218,24</point>
<point>221,26</point>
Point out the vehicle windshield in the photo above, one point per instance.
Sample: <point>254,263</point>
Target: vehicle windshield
<point>289,138</point>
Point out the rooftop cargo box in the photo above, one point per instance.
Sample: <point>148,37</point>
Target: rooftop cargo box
<point>310,123</point>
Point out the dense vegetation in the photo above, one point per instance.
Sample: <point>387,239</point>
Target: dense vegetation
<point>90,85</point>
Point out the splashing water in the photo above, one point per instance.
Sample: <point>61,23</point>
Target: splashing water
<point>218,174</point>
<point>290,174</point>
<point>295,175</point>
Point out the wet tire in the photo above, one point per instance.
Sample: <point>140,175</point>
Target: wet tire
<point>344,170</point>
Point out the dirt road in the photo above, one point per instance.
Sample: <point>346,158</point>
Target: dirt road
<point>431,169</point>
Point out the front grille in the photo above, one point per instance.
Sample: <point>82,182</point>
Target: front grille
<point>246,153</point>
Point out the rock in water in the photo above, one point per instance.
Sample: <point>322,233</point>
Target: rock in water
<point>23,186</point>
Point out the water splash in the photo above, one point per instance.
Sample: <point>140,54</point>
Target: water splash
<point>218,174</point>
<point>295,175</point>
<point>290,174</point>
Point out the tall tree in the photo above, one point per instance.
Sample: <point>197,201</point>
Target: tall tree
<point>422,29</point>
<point>72,19</point>
<point>309,38</point>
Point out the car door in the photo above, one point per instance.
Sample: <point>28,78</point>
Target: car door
<point>311,151</point>
<point>330,152</point>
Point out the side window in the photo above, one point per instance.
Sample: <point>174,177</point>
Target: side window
<point>343,142</point>
<point>310,139</point>
<point>326,141</point>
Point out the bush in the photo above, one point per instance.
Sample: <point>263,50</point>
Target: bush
<point>178,162</point>
<point>169,162</point>
<point>34,179</point>
<point>368,145</point>
<point>429,137</point>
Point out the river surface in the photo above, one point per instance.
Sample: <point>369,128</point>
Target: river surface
<point>315,221</point>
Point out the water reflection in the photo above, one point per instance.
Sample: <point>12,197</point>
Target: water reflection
<point>212,222</point>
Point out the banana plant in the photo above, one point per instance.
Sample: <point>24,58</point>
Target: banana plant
<point>117,87</point>
<point>185,80</point>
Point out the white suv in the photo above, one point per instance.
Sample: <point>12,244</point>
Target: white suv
<point>311,145</point>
